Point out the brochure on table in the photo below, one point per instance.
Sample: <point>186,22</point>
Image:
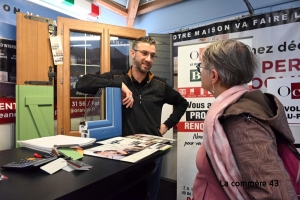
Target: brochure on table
<point>131,148</point>
<point>155,139</point>
<point>123,153</point>
<point>139,142</point>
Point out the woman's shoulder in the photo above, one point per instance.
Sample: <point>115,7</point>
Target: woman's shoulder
<point>253,103</point>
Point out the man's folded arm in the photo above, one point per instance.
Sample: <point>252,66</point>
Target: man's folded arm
<point>90,83</point>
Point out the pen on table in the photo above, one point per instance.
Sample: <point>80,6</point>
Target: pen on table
<point>2,177</point>
<point>36,155</point>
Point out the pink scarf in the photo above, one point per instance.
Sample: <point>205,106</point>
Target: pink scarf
<point>217,145</point>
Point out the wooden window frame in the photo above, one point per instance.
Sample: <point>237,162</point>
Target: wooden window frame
<point>65,26</point>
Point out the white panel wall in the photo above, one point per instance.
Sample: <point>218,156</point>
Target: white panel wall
<point>7,136</point>
<point>169,166</point>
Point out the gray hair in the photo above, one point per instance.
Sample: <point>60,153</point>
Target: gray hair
<point>144,39</point>
<point>233,60</point>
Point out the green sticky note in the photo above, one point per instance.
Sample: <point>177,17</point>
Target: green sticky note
<point>72,153</point>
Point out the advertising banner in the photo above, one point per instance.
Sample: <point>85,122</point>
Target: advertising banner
<point>79,107</point>
<point>7,80</point>
<point>287,90</point>
<point>7,110</point>
<point>274,39</point>
<point>190,128</point>
<point>7,60</point>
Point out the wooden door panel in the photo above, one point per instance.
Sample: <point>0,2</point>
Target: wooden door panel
<point>34,54</point>
<point>34,103</point>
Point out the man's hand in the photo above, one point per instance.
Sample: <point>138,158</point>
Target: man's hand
<point>163,129</point>
<point>127,98</point>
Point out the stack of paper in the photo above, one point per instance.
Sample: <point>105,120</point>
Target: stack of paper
<point>46,144</point>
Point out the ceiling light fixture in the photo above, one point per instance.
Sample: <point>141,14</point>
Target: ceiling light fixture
<point>89,38</point>
<point>79,9</point>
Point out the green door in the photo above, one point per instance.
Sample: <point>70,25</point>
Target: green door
<point>34,112</point>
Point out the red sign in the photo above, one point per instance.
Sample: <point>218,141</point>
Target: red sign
<point>7,110</point>
<point>78,107</point>
<point>194,92</point>
<point>190,126</point>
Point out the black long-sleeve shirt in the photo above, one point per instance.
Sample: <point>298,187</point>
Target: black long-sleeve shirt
<point>149,97</point>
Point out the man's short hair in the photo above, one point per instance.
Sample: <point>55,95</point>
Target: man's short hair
<point>144,39</point>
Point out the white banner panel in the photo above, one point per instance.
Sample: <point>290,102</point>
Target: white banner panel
<point>277,50</point>
<point>190,128</point>
<point>287,90</point>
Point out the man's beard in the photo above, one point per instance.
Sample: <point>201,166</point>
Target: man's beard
<point>140,68</point>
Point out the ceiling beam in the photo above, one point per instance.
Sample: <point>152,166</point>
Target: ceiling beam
<point>155,5</point>
<point>113,7</point>
<point>133,6</point>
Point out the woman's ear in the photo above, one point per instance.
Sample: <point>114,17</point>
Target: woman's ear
<point>214,76</point>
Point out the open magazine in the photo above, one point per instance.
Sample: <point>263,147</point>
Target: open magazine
<point>139,141</point>
<point>152,138</point>
<point>123,153</point>
<point>131,148</point>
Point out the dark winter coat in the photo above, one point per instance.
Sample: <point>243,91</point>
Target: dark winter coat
<point>248,125</point>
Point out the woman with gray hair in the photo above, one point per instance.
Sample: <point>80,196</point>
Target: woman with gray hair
<point>238,158</point>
